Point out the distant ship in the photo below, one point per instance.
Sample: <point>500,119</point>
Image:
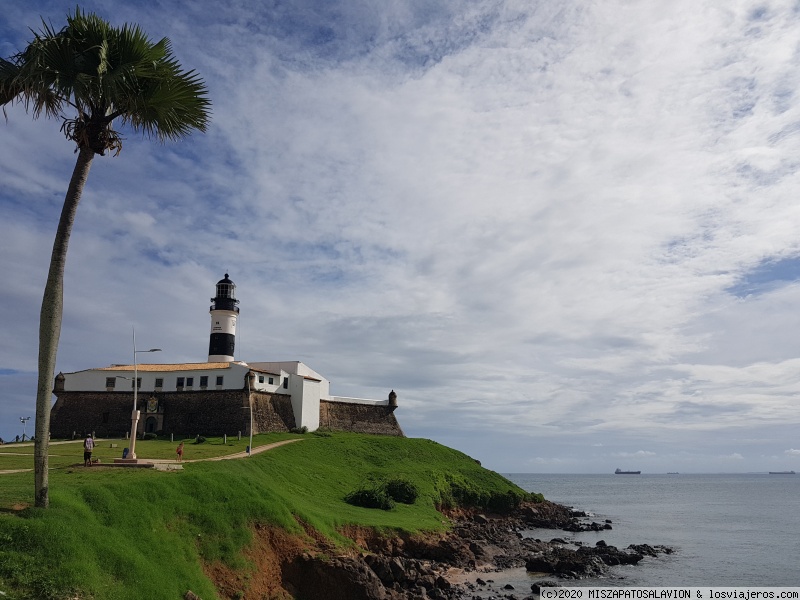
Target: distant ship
<point>781,473</point>
<point>673,473</point>
<point>621,472</point>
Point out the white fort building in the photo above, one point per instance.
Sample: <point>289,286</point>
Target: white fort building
<point>221,396</point>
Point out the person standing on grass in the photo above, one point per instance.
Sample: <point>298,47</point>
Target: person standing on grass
<point>179,452</point>
<point>88,446</point>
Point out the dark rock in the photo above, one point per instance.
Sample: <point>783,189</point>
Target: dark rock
<point>443,583</point>
<point>340,578</point>
<point>648,550</point>
<point>427,581</point>
<point>410,567</point>
<point>397,569</point>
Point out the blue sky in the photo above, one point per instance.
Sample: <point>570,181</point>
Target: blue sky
<point>565,233</point>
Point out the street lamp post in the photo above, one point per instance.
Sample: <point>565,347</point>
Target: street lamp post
<point>250,403</point>
<point>24,421</point>
<point>135,413</point>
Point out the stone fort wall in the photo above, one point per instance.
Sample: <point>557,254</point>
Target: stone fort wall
<point>209,413</point>
<point>360,418</point>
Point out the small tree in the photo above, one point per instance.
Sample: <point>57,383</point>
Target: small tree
<point>99,74</point>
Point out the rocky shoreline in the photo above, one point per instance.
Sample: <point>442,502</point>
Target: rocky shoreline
<point>460,564</point>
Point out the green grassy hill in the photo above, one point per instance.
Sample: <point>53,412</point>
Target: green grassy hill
<point>121,534</point>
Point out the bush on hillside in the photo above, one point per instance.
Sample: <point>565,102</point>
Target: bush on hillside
<point>199,440</point>
<point>302,429</point>
<point>150,436</point>
<point>504,503</point>
<point>402,491</point>
<point>370,498</point>
<point>469,494</point>
<point>384,494</point>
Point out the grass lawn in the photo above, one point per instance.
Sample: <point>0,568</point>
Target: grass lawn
<point>67,454</point>
<point>110,531</point>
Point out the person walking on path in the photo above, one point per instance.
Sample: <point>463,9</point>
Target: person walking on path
<point>179,452</point>
<point>88,446</point>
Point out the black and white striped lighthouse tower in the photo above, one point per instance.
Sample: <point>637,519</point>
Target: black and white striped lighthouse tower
<point>223,322</point>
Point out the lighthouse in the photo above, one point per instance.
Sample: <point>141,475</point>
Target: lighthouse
<point>223,322</point>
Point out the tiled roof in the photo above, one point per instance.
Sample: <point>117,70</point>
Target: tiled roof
<point>173,367</point>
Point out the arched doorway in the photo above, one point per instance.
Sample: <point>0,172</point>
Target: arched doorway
<point>150,425</point>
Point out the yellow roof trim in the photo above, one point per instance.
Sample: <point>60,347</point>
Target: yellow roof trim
<point>167,368</point>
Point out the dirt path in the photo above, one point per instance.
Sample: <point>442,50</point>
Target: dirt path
<point>260,449</point>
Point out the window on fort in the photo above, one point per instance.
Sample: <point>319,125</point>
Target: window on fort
<point>271,380</point>
<point>219,380</point>
<point>260,379</point>
<point>105,417</point>
<point>111,382</point>
<point>138,383</point>
<point>189,381</point>
<point>180,381</point>
<point>204,381</point>
<point>159,382</point>
<point>286,383</point>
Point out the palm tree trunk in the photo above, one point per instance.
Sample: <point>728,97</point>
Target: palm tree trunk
<point>50,324</point>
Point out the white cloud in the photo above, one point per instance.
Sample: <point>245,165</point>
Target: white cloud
<point>526,218</point>
<point>734,456</point>
<point>637,454</point>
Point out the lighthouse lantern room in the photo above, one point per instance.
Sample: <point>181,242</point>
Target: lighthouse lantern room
<point>223,322</point>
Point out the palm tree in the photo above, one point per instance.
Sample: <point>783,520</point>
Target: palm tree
<point>98,74</point>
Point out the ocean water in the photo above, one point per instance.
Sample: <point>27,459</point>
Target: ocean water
<point>726,530</point>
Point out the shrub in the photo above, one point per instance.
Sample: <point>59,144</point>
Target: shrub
<point>302,429</point>
<point>150,436</point>
<point>455,492</point>
<point>370,498</point>
<point>199,439</point>
<point>402,491</point>
<point>504,503</point>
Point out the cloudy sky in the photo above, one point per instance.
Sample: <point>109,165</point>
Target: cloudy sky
<point>566,233</point>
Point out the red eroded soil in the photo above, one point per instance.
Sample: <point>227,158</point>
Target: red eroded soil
<point>271,548</point>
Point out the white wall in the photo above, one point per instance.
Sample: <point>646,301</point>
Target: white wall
<point>266,386</point>
<point>295,367</point>
<point>305,401</point>
<point>94,380</point>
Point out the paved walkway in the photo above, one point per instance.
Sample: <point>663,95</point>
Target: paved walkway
<point>167,464</point>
